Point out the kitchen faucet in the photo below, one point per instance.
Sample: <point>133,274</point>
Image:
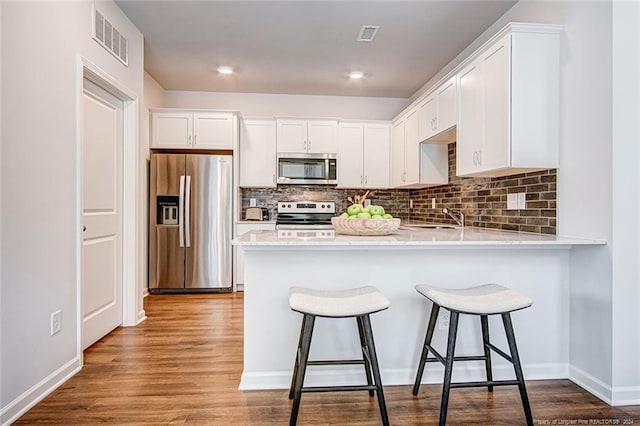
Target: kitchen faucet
<point>452,214</point>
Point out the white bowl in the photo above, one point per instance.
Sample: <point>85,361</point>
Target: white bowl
<point>365,226</point>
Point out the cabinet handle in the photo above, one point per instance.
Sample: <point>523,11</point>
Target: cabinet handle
<point>308,145</point>
<point>304,143</point>
<point>195,139</point>
<point>274,178</point>
<point>365,180</point>
<point>475,158</point>
<point>480,158</point>
<point>189,141</point>
<point>361,180</point>
<point>435,123</point>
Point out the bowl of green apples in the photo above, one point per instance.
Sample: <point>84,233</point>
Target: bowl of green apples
<point>360,220</point>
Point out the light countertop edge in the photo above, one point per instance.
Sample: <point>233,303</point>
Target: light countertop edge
<point>418,239</point>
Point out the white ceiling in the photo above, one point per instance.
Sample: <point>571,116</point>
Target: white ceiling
<point>305,47</point>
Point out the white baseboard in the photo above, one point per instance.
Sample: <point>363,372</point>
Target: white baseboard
<point>145,292</point>
<point>615,396</point>
<point>240,287</point>
<point>319,376</point>
<point>142,315</point>
<point>24,402</point>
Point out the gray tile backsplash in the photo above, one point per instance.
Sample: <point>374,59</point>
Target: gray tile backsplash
<point>395,201</point>
<point>483,200</point>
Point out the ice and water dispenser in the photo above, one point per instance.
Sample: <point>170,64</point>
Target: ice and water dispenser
<point>167,210</point>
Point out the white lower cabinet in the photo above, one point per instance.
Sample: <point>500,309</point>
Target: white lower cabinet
<point>363,155</point>
<point>238,253</point>
<point>258,153</point>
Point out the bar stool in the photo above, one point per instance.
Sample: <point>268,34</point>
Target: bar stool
<point>356,302</point>
<point>484,300</point>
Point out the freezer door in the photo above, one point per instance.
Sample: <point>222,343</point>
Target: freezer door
<point>166,222</point>
<point>208,221</point>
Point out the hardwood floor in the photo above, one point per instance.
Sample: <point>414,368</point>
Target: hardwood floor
<point>183,366</point>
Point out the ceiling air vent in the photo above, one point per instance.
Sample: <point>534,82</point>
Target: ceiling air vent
<point>368,32</point>
<point>110,38</point>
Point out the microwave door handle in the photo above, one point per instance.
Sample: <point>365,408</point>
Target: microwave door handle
<point>187,208</point>
<point>326,169</point>
<point>181,212</point>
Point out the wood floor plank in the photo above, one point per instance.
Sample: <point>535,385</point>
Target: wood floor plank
<point>182,366</point>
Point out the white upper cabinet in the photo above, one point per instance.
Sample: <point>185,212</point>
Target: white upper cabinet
<point>508,103</point>
<point>437,112</point>
<point>397,153</point>
<point>411,149</point>
<point>363,155</point>
<point>187,129</point>
<point>258,153</point>
<point>307,136</point>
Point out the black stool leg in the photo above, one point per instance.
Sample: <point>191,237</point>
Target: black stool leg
<point>297,361</point>
<point>427,341</point>
<point>487,351</point>
<point>448,367</point>
<point>511,339</point>
<point>365,354</point>
<point>368,333</point>
<point>307,331</point>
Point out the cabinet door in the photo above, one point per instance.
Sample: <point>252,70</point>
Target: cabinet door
<point>292,136</point>
<point>427,117</point>
<point>376,156</point>
<point>350,158</point>
<point>469,128</point>
<point>213,130</point>
<point>258,153</point>
<point>322,136</point>
<point>397,154</point>
<point>411,149</point>
<point>495,152</point>
<point>171,130</point>
<point>446,116</point>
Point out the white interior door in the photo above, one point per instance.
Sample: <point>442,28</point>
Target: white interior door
<point>101,213</point>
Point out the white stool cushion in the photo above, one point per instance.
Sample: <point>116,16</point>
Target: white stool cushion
<point>340,303</point>
<point>484,299</point>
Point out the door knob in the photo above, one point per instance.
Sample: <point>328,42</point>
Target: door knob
<point>84,228</point>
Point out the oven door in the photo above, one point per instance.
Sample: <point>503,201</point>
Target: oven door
<point>305,169</point>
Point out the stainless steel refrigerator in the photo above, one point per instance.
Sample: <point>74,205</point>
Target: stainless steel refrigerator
<point>190,223</point>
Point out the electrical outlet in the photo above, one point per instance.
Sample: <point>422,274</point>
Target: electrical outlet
<point>252,202</point>
<point>56,324</point>
<point>411,203</point>
<point>512,201</point>
<point>522,201</point>
<point>443,320</point>
<point>433,203</point>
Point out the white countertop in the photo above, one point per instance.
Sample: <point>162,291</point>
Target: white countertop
<point>414,238</point>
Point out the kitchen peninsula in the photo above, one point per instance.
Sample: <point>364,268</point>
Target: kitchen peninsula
<point>536,265</point>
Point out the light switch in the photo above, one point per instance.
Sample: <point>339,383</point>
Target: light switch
<point>512,201</point>
<point>522,201</point>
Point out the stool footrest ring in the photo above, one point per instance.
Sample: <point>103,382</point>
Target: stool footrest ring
<point>339,388</point>
<point>483,384</point>
<point>337,362</point>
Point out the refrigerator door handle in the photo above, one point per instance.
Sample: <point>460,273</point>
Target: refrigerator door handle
<point>187,216</point>
<point>181,212</point>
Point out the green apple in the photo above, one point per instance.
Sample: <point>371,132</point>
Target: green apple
<point>387,216</point>
<point>376,210</point>
<point>366,209</point>
<point>344,215</point>
<point>376,216</point>
<point>364,215</point>
<point>354,209</point>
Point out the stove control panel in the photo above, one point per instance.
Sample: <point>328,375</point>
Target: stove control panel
<point>306,207</point>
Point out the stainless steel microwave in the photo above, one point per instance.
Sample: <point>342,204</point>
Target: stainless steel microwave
<point>307,169</point>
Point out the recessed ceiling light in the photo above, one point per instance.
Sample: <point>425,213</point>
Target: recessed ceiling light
<point>225,70</point>
<point>356,74</point>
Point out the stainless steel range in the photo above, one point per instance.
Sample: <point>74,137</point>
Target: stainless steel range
<point>308,215</point>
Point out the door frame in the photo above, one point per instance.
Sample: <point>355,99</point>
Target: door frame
<point>132,310</point>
